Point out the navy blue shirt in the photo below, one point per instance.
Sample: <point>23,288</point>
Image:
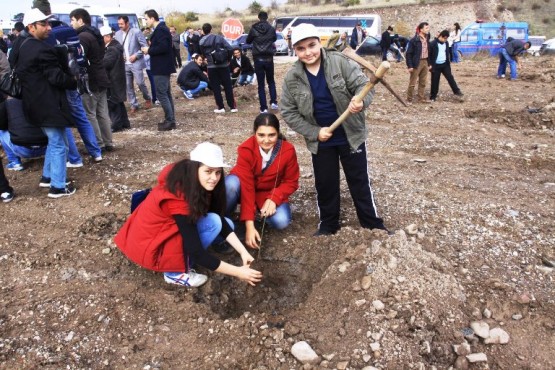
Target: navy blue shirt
<point>325,111</point>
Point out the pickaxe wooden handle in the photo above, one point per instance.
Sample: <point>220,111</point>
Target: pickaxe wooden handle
<point>360,96</point>
<point>351,54</point>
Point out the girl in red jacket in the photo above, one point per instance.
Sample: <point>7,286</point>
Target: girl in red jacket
<point>172,228</point>
<point>265,175</point>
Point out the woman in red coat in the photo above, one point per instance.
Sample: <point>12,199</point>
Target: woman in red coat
<point>172,228</point>
<point>265,175</point>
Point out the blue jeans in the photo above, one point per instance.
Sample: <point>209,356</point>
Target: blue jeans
<point>201,86</point>
<point>505,58</point>
<point>73,155</point>
<point>245,79</point>
<point>55,158</point>
<point>456,52</point>
<point>279,220</point>
<point>265,70</point>
<point>164,96</point>
<point>83,125</point>
<point>14,152</point>
<point>209,228</point>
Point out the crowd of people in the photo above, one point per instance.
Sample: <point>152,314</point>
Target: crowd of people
<point>192,206</point>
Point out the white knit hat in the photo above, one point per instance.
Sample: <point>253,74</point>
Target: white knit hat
<point>304,31</point>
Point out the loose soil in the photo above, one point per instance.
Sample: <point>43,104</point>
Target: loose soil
<point>467,186</point>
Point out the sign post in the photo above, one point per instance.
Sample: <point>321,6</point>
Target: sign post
<point>232,28</point>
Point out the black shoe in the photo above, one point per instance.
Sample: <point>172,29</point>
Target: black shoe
<point>45,182</point>
<point>61,192</point>
<point>320,232</point>
<point>166,126</point>
<point>459,94</point>
<point>109,148</point>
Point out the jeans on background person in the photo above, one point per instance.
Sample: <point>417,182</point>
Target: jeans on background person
<point>264,70</point>
<point>73,155</point>
<point>164,95</point>
<point>279,220</point>
<point>82,123</point>
<point>14,152</point>
<point>505,58</point>
<point>55,158</point>
<point>245,79</point>
<point>201,86</point>
<point>456,58</point>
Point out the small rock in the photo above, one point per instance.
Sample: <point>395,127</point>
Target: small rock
<point>343,267</point>
<point>517,317</point>
<point>375,346</point>
<point>419,160</point>
<point>544,269</point>
<point>342,365</point>
<point>69,337</point>
<point>106,251</point>
<point>366,282</point>
<point>304,353</point>
<point>510,145</point>
<point>477,357</point>
<point>461,363</point>
<point>486,313</point>
<point>291,329</point>
<point>366,357</point>
<point>378,305</point>
<point>360,302</point>
<point>401,279</point>
<point>497,336</point>
<point>369,368</point>
<point>356,286</point>
<point>476,313</point>
<point>480,328</point>
<point>412,229</point>
<point>462,349</point>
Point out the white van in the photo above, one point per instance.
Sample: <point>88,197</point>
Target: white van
<point>99,16</point>
<point>536,42</point>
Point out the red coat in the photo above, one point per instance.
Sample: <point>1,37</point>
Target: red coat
<point>150,236</point>
<point>256,186</point>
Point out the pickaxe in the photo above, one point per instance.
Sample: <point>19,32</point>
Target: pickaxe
<point>351,54</point>
<point>379,73</point>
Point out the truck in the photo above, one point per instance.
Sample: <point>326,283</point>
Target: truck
<point>490,37</point>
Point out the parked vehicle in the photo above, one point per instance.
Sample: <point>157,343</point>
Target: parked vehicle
<point>536,42</point>
<point>241,43</point>
<point>548,47</point>
<point>371,46</point>
<point>281,45</point>
<point>490,37</point>
<point>99,16</point>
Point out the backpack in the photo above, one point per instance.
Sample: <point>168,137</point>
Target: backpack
<point>138,197</point>
<point>219,54</point>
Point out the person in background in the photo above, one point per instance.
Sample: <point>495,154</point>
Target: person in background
<point>265,176</point>
<point>454,40</point>
<point>334,39</point>
<point>191,79</point>
<point>183,40</point>
<point>439,62</point>
<point>317,89</point>
<point>342,42</point>
<point>132,40</point>
<point>358,36</point>
<point>241,68</point>
<point>115,67</point>
<point>147,69</point>
<point>180,218</point>
<point>176,43</point>
<point>262,37</point>
<point>161,66</point>
<point>417,62</point>
<point>288,39</point>
<point>193,38</point>
<point>509,55</point>
<point>386,41</point>
<point>218,74</point>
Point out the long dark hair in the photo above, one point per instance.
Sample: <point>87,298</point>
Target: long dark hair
<point>267,119</point>
<point>457,27</point>
<point>183,181</point>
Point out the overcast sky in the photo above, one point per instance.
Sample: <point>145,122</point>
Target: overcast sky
<point>9,8</point>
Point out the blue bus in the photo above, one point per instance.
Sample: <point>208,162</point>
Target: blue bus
<point>490,36</point>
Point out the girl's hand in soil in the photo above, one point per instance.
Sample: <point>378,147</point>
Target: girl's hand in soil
<point>247,258</point>
<point>249,275</point>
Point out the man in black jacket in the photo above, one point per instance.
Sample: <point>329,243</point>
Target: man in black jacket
<point>262,37</point>
<point>192,79</point>
<point>161,66</point>
<point>417,62</point>
<point>438,59</point>
<point>95,104</point>
<point>386,42</point>
<point>241,68</point>
<point>44,78</point>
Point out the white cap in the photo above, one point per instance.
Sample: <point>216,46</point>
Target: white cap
<point>35,15</point>
<point>208,154</point>
<point>304,31</point>
<point>105,30</point>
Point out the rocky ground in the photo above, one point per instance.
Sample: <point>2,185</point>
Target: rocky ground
<point>468,186</point>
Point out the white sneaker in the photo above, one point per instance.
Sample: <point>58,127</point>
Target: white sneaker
<point>98,159</point>
<point>219,110</point>
<point>234,110</point>
<point>191,279</point>
<point>264,111</point>
<point>274,106</point>
<point>74,165</point>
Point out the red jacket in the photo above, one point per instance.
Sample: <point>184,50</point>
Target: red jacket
<point>150,236</point>
<point>256,186</point>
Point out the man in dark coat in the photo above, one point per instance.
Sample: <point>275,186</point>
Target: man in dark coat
<point>386,42</point>
<point>161,66</point>
<point>241,68</point>
<point>440,63</point>
<point>262,37</point>
<point>509,54</point>
<point>417,62</point>
<point>357,36</point>
<point>44,78</point>
<point>191,79</point>
<point>96,104</point>
<point>115,67</point>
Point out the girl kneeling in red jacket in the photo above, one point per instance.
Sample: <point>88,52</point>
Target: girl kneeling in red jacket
<point>172,228</point>
<point>265,175</point>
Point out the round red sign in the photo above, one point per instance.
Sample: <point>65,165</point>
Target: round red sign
<point>232,28</point>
